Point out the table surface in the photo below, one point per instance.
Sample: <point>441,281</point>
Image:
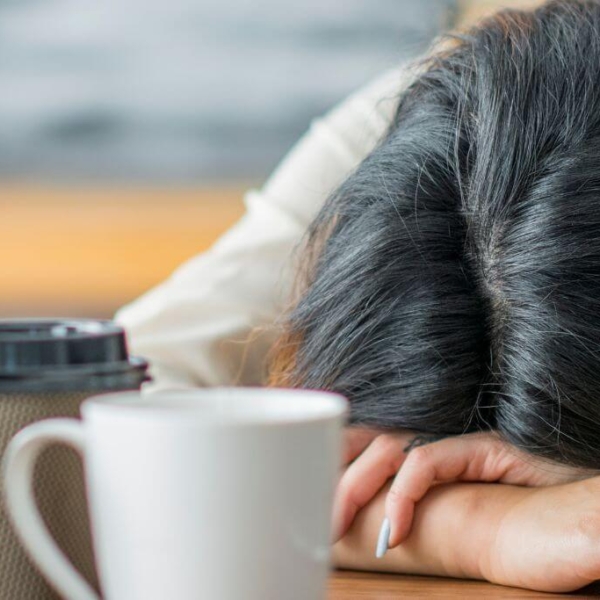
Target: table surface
<point>350,585</point>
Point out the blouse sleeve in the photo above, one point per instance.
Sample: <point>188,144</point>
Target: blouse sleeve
<point>210,323</point>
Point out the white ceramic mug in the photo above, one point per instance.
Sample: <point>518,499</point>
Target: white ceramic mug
<point>221,494</point>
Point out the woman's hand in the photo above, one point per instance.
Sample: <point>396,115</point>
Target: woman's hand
<point>416,465</point>
<point>540,538</point>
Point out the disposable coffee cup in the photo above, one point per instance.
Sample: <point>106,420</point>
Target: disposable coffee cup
<point>47,368</point>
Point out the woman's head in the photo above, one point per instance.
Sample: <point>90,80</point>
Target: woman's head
<point>452,283</point>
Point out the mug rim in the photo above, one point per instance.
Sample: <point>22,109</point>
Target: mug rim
<point>309,406</point>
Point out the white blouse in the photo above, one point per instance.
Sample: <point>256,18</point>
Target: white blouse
<point>211,322</point>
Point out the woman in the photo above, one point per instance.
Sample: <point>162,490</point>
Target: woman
<point>449,286</point>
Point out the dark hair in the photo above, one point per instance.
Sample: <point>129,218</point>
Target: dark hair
<point>452,283</point>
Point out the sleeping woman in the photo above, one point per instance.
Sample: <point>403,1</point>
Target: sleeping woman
<point>431,250</point>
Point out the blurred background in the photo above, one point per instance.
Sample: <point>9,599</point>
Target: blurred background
<point>129,129</point>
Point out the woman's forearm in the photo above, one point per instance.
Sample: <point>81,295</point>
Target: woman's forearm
<point>453,530</point>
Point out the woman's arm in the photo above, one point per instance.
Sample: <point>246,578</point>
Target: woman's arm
<point>445,539</point>
<point>416,462</point>
<point>545,539</point>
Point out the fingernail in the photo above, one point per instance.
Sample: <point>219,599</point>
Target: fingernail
<point>384,538</point>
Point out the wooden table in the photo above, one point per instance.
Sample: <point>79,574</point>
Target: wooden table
<point>350,585</point>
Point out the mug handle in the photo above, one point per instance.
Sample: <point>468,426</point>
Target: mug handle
<point>18,466</point>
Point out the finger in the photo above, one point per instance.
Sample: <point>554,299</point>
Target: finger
<point>356,439</point>
<point>365,477</point>
<point>473,457</point>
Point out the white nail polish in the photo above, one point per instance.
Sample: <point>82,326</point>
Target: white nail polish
<point>384,538</point>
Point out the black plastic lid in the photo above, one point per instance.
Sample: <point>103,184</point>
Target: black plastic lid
<point>66,354</point>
